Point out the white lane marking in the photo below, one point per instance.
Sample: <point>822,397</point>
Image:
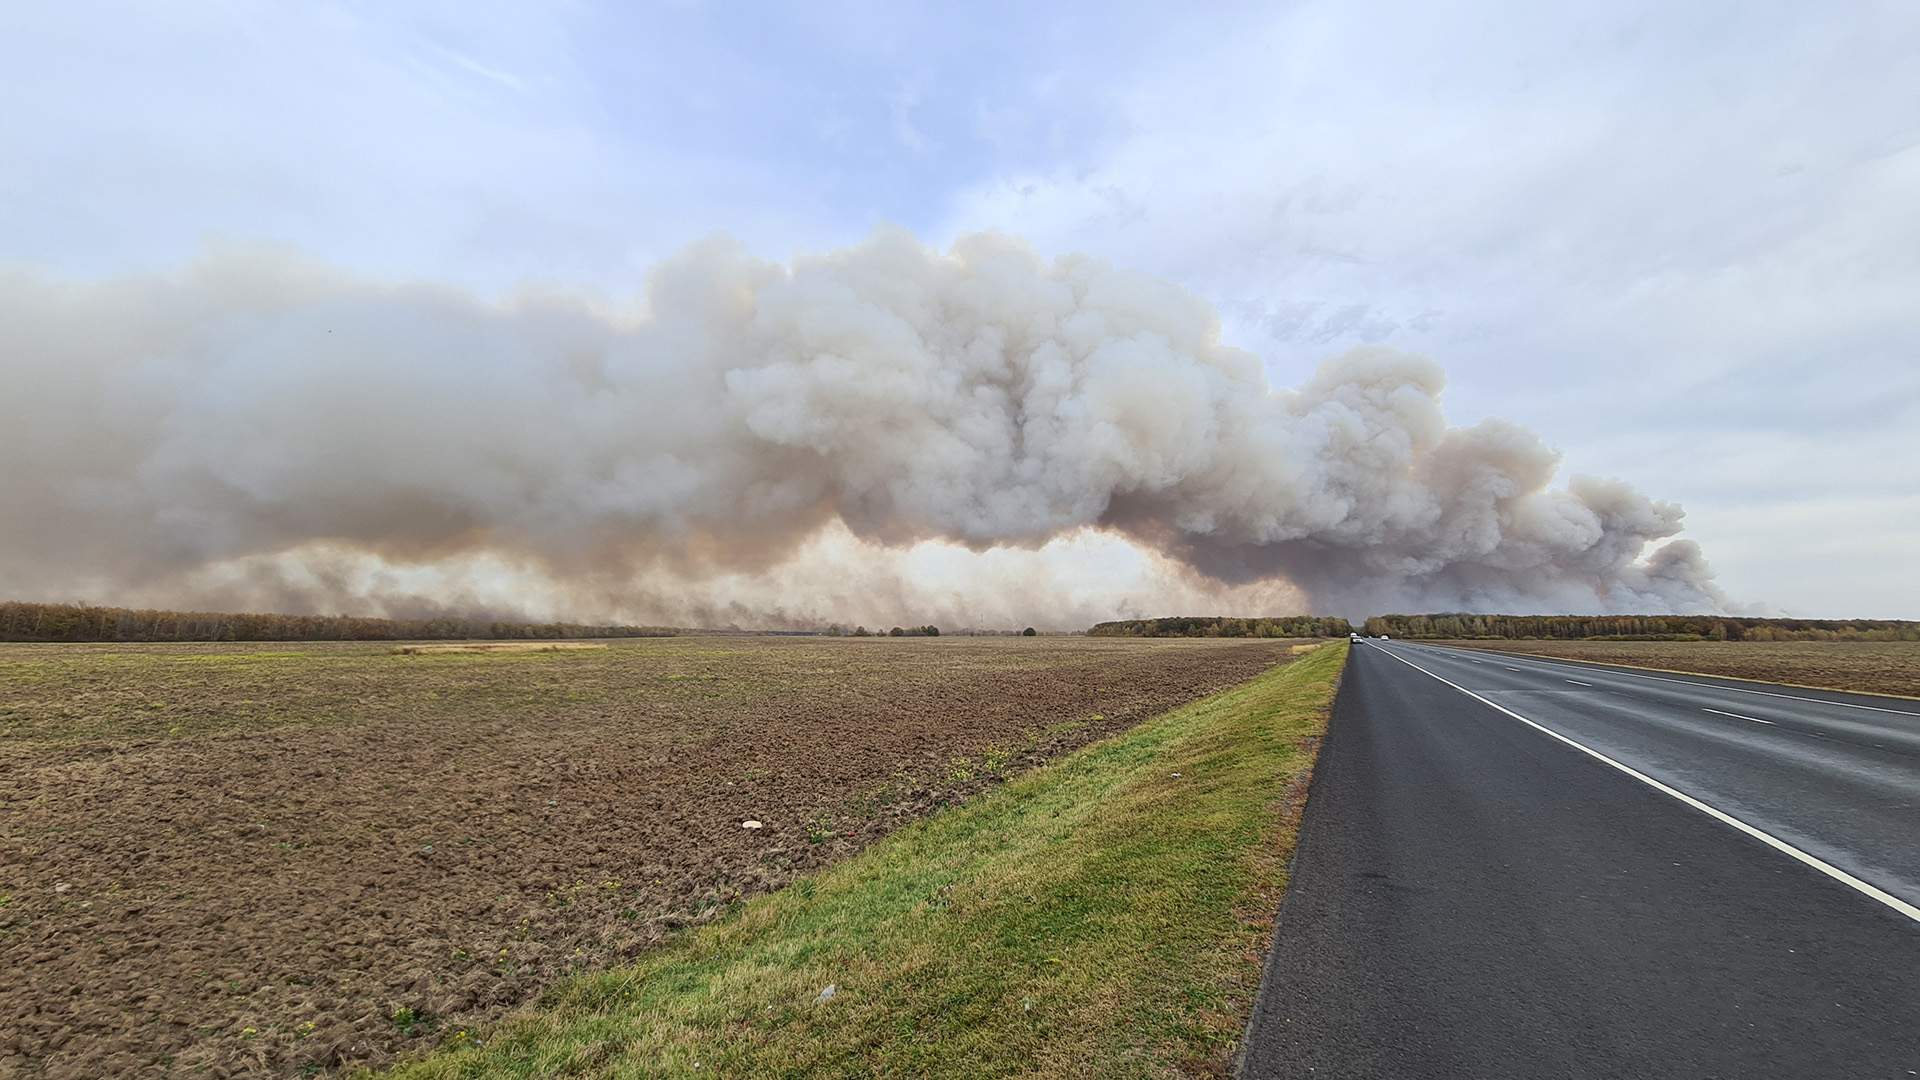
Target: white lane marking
<point>1716,686</point>
<point>1737,716</point>
<point>1827,868</point>
<point>1577,682</point>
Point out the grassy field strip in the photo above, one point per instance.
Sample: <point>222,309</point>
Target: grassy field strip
<point>1103,915</point>
<point>431,648</point>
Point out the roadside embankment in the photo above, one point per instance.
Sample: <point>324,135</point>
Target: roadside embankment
<point>1103,915</point>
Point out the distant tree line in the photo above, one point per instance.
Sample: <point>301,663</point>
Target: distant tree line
<point>1218,626</point>
<point>1642,627</point>
<point>72,622</point>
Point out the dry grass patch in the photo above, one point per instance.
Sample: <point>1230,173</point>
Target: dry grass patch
<point>424,649</point>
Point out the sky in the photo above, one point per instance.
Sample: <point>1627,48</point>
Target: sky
<point>1681,242</point>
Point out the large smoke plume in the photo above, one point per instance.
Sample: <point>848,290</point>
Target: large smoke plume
<point>255,419</point>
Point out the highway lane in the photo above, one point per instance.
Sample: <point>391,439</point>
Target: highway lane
<point>1475,897</point>
<point>1835,775</point>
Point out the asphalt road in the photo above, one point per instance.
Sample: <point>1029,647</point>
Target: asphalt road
<point>1730,893</point>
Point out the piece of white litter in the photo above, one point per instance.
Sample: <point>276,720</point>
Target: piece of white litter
<point>827,994</point>
<point>61,886</point>
<point>750,824</point>
<point>1176,776</point>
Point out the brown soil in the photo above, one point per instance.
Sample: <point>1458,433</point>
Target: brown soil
<point>1869,667</point>
<point>281,859</point>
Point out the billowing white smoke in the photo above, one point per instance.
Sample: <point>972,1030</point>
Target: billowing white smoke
<point>157,429</point>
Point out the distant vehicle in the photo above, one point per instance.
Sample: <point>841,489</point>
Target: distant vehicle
<point>1384,637</point>
<point>1353,637</point>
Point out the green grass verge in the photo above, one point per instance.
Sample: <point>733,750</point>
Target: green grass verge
<point>1100,916</point>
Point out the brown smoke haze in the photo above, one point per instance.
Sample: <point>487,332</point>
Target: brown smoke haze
<point>883,433</point>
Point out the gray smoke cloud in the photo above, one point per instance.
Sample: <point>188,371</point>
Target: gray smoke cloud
<point>254,407</point>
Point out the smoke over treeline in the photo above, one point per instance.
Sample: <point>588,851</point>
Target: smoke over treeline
<point>1221,626</point>
<point>259,432</point>
<point>71,622</point>
<point>1641,627</point>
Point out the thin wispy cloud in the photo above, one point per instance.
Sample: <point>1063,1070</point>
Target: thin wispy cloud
<point>901,106</point>
<point>495,75</point>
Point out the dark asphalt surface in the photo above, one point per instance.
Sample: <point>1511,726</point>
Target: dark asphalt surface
<point>1474,898</point>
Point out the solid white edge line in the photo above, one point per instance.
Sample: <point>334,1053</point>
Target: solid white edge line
<point>1561,666</point>
<point>1768,839</point>
<point>1735,715</point>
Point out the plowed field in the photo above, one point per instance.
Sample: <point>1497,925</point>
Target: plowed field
<point>1870,667</point>
<point>281,859</point>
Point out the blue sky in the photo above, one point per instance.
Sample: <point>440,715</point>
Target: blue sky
<point>1680,241</point>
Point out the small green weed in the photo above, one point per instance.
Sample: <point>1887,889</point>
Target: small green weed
<point>411,1021</point>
